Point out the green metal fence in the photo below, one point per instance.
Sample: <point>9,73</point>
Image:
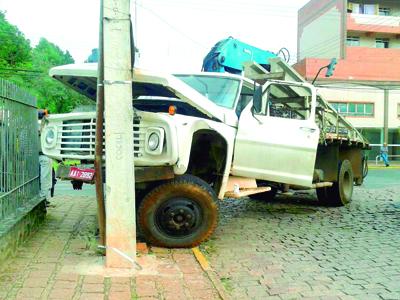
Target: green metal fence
<point>19,164</point>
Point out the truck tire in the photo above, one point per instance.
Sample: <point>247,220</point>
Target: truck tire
<point>341,192</point>
<point>360,180</point>
<point>181,213</point>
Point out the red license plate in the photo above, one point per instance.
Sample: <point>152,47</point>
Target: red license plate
<point>81,174</point>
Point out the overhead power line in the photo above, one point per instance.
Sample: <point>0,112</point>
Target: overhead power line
<point>170,25</point>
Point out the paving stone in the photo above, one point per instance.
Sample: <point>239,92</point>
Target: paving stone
<point>92,288</point>
<point>32,282</point>
<point>345,253</point>
<point>283,249</point>
<point>119,296</point>
<point>120,280</point>
<point>43,270</point>
<point>93,279</point>
<point>91,296</point>
<point>65,285</point>
<point>58,293</point>
<point>30,293</point>
<point>120,287</point>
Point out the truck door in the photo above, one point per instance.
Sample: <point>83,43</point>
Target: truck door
<point>277,137</point>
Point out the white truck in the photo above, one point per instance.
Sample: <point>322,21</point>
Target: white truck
<point>201,137</point>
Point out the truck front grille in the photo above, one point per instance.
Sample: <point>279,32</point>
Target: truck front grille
<point>78,138</point>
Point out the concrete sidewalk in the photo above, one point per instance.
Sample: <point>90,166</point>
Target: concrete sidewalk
<point>61,261</point>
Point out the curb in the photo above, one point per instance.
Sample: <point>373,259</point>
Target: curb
<point>202,260</point>
<point>384,168</point>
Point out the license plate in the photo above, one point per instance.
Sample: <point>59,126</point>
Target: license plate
<point>81,174</point>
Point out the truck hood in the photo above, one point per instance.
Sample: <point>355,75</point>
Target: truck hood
<point>83,79</point>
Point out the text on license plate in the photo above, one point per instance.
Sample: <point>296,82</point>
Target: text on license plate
<point>81,174</point>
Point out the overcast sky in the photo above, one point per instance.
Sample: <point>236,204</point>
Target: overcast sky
<point>172,35</point>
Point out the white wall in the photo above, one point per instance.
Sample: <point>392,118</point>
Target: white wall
<point>322,37</point>
<point>361,94</point>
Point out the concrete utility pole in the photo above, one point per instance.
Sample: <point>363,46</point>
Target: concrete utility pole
<point>386,116</point>
<point>120,181</point>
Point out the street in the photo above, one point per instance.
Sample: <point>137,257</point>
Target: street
<point>382,178</point>
<point>292,248</point>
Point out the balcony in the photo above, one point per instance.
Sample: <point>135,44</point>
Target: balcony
<point>373,23</point>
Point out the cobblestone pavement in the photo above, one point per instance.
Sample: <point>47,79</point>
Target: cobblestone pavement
<point>292,248</point>
<point>60,262</point>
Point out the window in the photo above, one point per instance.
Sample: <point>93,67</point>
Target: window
<point>354,109</point>
<point>366,9</point>
<point>353,41</point>
<point>286,101</point>
<point>369,9</point>
<point>246,95</point>
<point>384,11</point>
<point>222,91</point>
<point>382,43</point>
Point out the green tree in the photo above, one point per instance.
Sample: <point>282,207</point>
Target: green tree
<point>52,94</point>
<point>15,49</point>
<point>29,68</point>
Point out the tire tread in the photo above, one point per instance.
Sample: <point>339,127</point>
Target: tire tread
<point>186,179</point>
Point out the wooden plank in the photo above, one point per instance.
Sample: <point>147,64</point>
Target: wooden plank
<point>241,182</point>
<point>247,192</point>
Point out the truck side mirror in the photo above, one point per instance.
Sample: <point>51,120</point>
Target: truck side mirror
<point>257,99</point>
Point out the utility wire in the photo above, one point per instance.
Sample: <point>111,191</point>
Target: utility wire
<point>223,6</point>
<point>160,18</point>
<point>170,25</point>
<point>381,23</point>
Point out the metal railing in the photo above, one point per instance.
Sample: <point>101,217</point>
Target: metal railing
<point>19,150</point>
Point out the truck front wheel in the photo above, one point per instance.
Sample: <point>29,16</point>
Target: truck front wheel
<point>180,213</point>
<point>341,192</point>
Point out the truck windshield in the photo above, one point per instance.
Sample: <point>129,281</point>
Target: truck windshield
<point>222,91</point>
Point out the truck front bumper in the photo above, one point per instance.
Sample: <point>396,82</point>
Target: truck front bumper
<point>142,174</point>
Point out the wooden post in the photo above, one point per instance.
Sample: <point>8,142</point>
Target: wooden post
<point>98,163</point>
<point>120,181</point>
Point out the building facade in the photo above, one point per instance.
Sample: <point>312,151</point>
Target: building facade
<point>365,38</point>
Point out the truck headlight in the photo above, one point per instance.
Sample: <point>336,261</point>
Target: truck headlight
<point>50,135</point>
<point>153,141</point>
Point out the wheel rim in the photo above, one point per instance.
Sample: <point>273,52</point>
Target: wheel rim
<point>347,185</point>
<point>178,217</point>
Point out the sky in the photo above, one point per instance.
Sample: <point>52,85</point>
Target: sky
<point>172,35</point>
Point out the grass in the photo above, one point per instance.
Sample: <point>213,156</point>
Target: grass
<point>68,162</point>
<point>227,283</point>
